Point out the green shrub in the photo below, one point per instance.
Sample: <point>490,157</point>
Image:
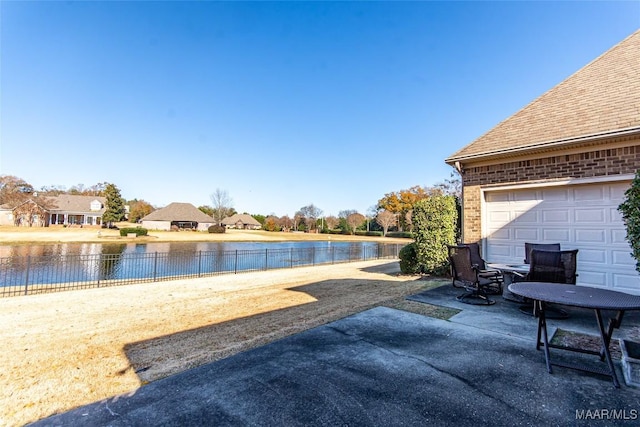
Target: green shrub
<point>630,210</point>
<point>434,221</point>
<point>368,233</point>
<point>217,229</point>
<point>409,259</point>
<point>138,231</point>
<point>401,234</point>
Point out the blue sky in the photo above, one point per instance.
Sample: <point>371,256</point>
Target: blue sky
<point>281,104</point>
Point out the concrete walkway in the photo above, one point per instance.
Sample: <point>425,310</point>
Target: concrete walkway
<point>385,367</point>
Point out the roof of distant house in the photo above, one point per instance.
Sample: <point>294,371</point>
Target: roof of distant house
<point>75,203</point>
<point>62,203</point>
<point>245,219</point>
<point>179,212</point>
<point>601,99</point>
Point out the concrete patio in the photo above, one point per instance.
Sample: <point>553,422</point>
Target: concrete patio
<point>387,367</point>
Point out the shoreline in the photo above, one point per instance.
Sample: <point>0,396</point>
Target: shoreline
<point>42,236</point>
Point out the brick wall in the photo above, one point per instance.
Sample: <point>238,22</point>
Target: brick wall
<point>596,163</point>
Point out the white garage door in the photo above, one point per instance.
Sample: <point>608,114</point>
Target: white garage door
<point>583,217</point>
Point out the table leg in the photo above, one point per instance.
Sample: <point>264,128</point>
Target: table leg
<point>542,329</point>
<point>606,338</point>
<point>614,323</point>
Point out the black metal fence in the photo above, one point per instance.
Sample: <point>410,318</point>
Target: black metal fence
<point>40,274</point>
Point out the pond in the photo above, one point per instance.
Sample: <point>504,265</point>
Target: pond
<point>28,269</point>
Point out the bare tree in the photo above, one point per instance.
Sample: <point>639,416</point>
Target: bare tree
<point>222,205</point>
<point>386,219</point>
<point>14,190</point>
<point>286,223</point>
<point>332,222</point>
<point>354,221</point>
<point>408,219</point>
<point>311,213</point>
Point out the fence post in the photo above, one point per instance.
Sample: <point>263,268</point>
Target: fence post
<point>155,266</point>
<point>26,277</point>
<point>291,257</point>
<point>235,267</point>
<point>266,259</point>
<point>199,262</point>
<point>313,255</point>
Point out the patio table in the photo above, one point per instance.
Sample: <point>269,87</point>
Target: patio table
<point>583,297</point>
<point>510,272</point>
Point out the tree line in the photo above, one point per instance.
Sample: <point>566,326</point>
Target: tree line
<point>394,211</point>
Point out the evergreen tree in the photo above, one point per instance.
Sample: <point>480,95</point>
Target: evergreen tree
<point>630,210</point>
<point>115,210</point>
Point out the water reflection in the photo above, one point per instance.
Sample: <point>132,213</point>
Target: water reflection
<point>26,265</point>
<point>110,261</point>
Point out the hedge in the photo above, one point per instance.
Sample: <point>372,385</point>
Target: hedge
<point>138,231</point>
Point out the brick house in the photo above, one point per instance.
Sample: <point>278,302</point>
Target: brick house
<point>241,221</point>
<point>557,170</point>
<point>65,209</point>
<point>179,216</point>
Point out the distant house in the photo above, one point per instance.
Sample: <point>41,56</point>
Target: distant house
<point>241,221</point>
<point>77,210</point>
<point>65,209</point>
<point>183,216</point>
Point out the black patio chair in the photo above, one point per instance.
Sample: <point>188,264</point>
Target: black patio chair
<point>553,267</point>
<point>528,247</point>
<point>466,275</point>
<point>487,273</point>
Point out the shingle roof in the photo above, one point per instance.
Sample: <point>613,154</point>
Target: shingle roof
<point>245,219</point>
<point>63,203</point>
<point>602,98</point>
<point>74,203</point>
<point>179,212</point>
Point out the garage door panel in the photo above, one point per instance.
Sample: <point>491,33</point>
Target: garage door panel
<point>497,196</point>
<point>589,192</point>
<point>615,215</point>
<point>527,234</point>
<point>525,195</point>
<point>499,218</point>
<point>590,236</point>
<point>531,217</point>
<point>622,258</point>
<point>500,234</point>
<point>503,250</point>
<point>597,256</point>
<point>597,216</point>
<point>617,192</point>
<point>626,282</point>
<point>619,237</point>
<point>562,216</point>
<point>555,195</point>
<point>556,235</point>
<point>593,278</point>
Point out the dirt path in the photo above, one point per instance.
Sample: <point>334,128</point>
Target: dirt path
<point>71,348</point>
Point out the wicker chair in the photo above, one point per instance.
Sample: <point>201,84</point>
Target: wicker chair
<point>528,247</point>
<point>495,276</point>
<point>466,275</point>
<point>554,267</point>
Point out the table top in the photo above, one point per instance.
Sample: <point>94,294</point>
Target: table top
<point>576,296</point>
<point>517,268</point>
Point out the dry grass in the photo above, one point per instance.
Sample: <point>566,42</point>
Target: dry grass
<point>67,349</point>
<point>57,234</point>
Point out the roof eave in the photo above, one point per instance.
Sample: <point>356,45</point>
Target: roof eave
<point>545,146</point>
